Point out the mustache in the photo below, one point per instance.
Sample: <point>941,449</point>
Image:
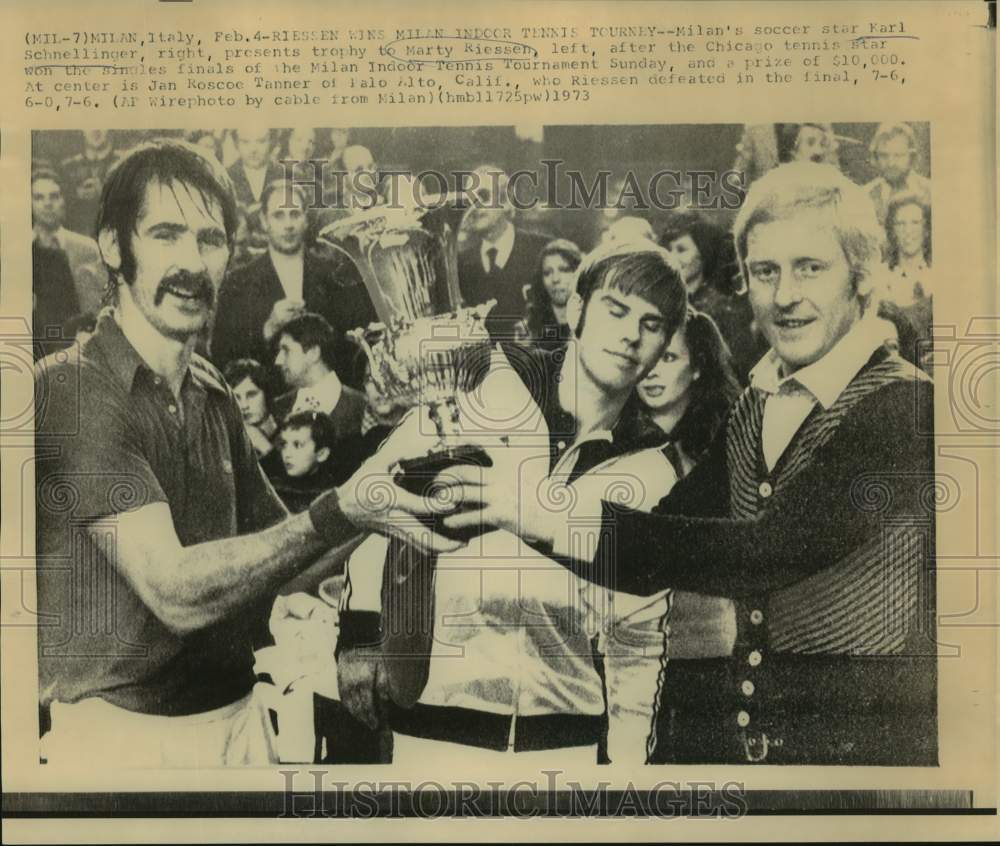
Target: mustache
<point>198,284</point>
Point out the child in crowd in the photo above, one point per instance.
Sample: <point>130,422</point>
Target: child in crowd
<point>303,466</point>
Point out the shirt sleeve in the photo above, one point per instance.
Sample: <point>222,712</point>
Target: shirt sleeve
<point>634,652</point>
<point>633,637</point>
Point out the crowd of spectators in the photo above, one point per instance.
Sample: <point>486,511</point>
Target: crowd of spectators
<point>288,300</point>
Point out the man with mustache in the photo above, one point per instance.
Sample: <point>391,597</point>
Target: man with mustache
<point>806,534</point>
<point>160,543</point>
<point>894,156</point>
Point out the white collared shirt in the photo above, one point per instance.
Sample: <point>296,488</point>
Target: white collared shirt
<point>504,245</point>
<point>321,397</point>
<point>290,269</point>
<point>256,177</point>
<point>790,399</point>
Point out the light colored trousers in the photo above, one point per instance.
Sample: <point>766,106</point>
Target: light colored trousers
<point>94,733</point>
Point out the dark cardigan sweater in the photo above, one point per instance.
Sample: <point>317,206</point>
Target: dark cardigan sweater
<point>830,559</point>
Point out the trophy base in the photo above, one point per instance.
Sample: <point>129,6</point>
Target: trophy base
<point>417,476</point>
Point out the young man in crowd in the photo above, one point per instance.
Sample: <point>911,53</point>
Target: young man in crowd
<point>48,216</point>
<point>500,259</point>
<point>509,661</point>
<point>811,516</point>
<point>149,492</point>
<point>307,361</point>
<point>83,176</point>
<point>256,168</point>
<point>287,280</point>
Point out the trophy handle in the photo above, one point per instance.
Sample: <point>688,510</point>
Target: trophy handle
<point>359,337</point>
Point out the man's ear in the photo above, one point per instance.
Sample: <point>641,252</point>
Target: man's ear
<point>322,455</point>
<point>574,311</point>
<point>107,240</point>
<point>864,283</point>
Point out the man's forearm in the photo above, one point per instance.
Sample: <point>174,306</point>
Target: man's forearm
<point>217,578</point>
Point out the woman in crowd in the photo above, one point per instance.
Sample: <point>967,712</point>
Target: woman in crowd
<point>690,391</point>
<point>53,298</point>
<point>706,260</point>
<point>550,292</point>
<point>906,291</point>
<point>253,388</point>
<point>908,236</point>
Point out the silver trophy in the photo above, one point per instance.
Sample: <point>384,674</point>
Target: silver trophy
<point>427,347</point>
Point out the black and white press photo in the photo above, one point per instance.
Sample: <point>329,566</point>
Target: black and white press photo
<point>524,445</point>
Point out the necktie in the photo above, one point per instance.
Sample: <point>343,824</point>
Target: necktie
<point>491,260</point>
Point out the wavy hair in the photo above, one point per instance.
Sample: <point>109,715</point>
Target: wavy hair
<point>712,393</point>
<point>718,256</point>
<point>891,241</point>
<point>540,313</point>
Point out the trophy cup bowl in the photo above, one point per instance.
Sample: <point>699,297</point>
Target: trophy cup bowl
<point>427,346</point>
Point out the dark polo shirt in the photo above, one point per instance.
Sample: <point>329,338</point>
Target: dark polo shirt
<point>111,437</point>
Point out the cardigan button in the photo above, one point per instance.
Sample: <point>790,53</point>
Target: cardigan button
<point>756,616</point>
<point>747,687</point>
<point>742,719</point>
<point>754,658</point>
<point>765,489</point>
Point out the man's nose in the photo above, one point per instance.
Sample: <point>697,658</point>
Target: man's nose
<point>191,258</point>
<point>788,291</point>
<point>631,330</point>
